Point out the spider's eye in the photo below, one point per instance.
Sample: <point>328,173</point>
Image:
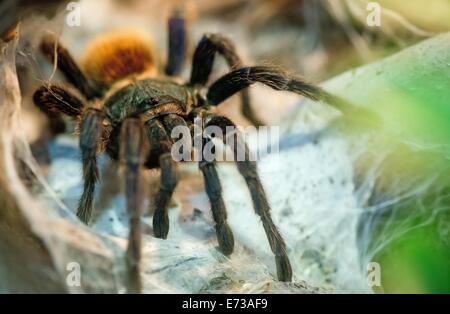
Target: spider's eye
<point>116,55</point>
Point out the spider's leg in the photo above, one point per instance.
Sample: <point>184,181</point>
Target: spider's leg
<point>233,82</point>
<point>204,54</point>
<point>90,137</point>
<point>167,186</point>
<point>214,191</point>
<point>160,145</point>
<point>51,48</point>
<point>133,148</point>
<point>177,44</point>
<point>54,101</point>
<point>248,170</point>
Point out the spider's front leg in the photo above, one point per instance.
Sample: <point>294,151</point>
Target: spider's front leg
<point>55,99</point>
<point>204,55</point>
<point>248,170</point>
<point>133,149</point>
<point>239,79</point>
<point>91,129</point>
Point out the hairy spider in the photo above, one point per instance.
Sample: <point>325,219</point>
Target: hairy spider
<point>125,108</point>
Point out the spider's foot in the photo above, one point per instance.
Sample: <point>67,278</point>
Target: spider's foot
<point>284,269</point>
<point>225,238</point>
<point>84,214</point>
<point>161,224</point>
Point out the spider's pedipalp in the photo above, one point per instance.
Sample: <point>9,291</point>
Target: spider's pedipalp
<point>52,48</point>
<point>248,170</point>
<point>133,152</point>
<point>117,55</point>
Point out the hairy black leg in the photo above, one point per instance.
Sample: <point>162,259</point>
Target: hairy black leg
<point>133,148</point>
<point>90,139</point>
<point>233,82</point>
<point>56,99</point>
<point>248,170</point>
<point>177,44</point>
<point>204,55</point>
<point>214,191</point>
<point>166,188</point>
<point>160,145</point>
<point>51,48</point>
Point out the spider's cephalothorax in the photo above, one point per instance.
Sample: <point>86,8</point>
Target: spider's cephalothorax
<point>124,107</point>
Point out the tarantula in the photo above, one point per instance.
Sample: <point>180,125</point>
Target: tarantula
<point>122,106</point>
